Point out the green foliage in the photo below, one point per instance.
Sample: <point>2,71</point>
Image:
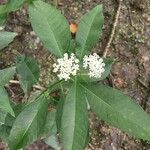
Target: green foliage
<point>28,71</point>
<point>3,9</point>
<point>29,124</point>
<point>51,27</point>
<point>6,75</point>
<point>3,115</point>
<point>6,38</point>
<point>118,110</point>
<point>11,5</point>
<point>59,113</point>
<point>62,108</point>
<point>2,19</point>
<point>17,108</point>
<point>50,125</point>
<point>4,101</point>
<point>3,14</point>
<point>53,142</point>
<point>4,132</point>
<point>14,5</point>
<point>89,31</point>
<point>74,121</point>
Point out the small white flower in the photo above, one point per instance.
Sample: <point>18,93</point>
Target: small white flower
<point>1,28</point>
<point>65,67</point>
<point>95,65</point>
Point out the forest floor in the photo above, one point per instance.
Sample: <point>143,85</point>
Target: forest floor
<point>130,49</point>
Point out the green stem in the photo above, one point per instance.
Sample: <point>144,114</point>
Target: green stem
<point>50,87</point>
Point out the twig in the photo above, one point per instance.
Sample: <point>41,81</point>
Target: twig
<point>130,16</point>
<point>57,3</point>
<point>142,83</point>
<point>38,87</point>
<point>14,82</point>
<point>113,29</point>
<point>91,146</point>
<point>129,10</point>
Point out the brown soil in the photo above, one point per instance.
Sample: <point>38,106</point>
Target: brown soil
<point>130,48</point>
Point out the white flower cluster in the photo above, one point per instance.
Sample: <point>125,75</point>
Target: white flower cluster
<point>95,65</point>
<point>66,66</point>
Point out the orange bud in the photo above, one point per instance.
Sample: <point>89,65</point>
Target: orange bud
<point>73,27</point>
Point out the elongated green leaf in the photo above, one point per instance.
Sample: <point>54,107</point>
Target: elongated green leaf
<point>29,124</point>
<point>14,5</point>
<point>84,77</point>
<point>4,132</point>
<point>3,19</point>
<point>28,71</point>
<point>3,115</point>
<point>17,108</point>
<point>59,113</point>
<point>51,27</point>
<point>50,124</point>
<point>3,14</point>
<point>74,123</point>
<point>53,142</point>
<point>4,101</point>
<point>119,110</point>
<point>6,38</point>
<point>89,30</point>
<point>6,75</point>
<point>3,9</point>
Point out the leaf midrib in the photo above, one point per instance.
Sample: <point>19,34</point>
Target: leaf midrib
<point>75,113</point>
<point>74,116</point>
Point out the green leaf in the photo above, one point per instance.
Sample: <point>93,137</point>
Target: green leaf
<point>6,38</point>
<point>2,19</point>
<point>74,123</point>
<point>51,27</point>
<point>3,14</point>
<point>3,9</point>
<point>4,101</point>
<point>84,77</point>
<point>6,75</point>
<point>3,115</point>
<point>50,124</point>
<point>53,142</point>
<point>28,71</point>
<point>29,124</point>
<point>119,110</point>
<point>4,133</point>
<point>14,5</point>
<point>59,113</point>
<point>17,108</point>
<point>89,30</point>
